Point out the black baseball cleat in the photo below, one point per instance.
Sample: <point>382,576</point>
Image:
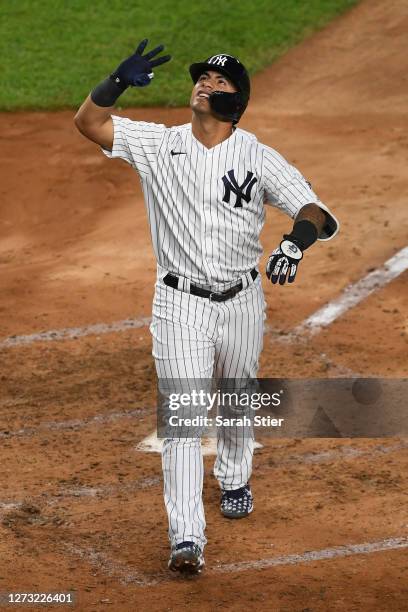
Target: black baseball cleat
<point>238,503</point>
<point>186,558</point>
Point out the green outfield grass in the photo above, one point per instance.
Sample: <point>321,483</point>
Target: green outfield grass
<point>54,51</point>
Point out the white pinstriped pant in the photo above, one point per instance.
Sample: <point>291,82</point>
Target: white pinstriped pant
<point>194,338</point>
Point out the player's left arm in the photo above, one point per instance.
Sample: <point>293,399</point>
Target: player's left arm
<point>314,214</point>
<point>287,189</point>
<point>283,262</point>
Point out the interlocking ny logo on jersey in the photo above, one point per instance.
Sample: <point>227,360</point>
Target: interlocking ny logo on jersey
<point>241,191</point>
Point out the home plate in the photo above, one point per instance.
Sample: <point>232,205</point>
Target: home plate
<point>152,444</point>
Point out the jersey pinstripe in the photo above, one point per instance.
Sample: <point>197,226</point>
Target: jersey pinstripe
<point>198,230</point>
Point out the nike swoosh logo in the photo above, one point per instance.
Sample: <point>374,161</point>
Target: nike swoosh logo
<point>178,153</point>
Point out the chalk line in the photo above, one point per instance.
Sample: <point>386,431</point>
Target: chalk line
<point>346,550</point>
<point>126,574</point>
<point>354,294</point>
<point>76,332</point>
<point>110,567</point>
<point>351,296</point>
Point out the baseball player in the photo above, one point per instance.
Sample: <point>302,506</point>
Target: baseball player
<point>206,184</point>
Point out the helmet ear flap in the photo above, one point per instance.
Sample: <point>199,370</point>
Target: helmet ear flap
<point>229,106</point>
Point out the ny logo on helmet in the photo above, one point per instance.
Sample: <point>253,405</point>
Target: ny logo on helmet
<point>218,59</point>
<point>230,184</point>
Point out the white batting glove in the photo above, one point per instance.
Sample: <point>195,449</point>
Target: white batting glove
<point>283,262</point>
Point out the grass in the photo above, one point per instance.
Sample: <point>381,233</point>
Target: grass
<point>55,51</point>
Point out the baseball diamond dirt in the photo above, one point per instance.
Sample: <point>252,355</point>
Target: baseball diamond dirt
<point>81,508</point>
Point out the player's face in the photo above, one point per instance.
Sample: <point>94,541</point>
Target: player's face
<point>207,83</point>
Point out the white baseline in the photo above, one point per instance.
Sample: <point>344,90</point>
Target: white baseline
<point>126,574</point>
<point>354,294</point>
<point>350,297</point>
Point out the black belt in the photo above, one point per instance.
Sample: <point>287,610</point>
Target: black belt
<point>172,281</point>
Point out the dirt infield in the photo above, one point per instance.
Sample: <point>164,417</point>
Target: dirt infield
<point>81,508</point>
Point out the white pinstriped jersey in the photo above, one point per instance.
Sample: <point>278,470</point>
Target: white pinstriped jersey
<point>206,211</point>
<point>206,206</point>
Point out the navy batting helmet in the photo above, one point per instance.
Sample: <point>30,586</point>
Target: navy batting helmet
<point>230,106</point>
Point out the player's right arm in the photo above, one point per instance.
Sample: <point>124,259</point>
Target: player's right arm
<point>93,119</point>
<point>95,122</point>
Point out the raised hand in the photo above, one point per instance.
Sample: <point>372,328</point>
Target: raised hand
<point>137,70</point>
